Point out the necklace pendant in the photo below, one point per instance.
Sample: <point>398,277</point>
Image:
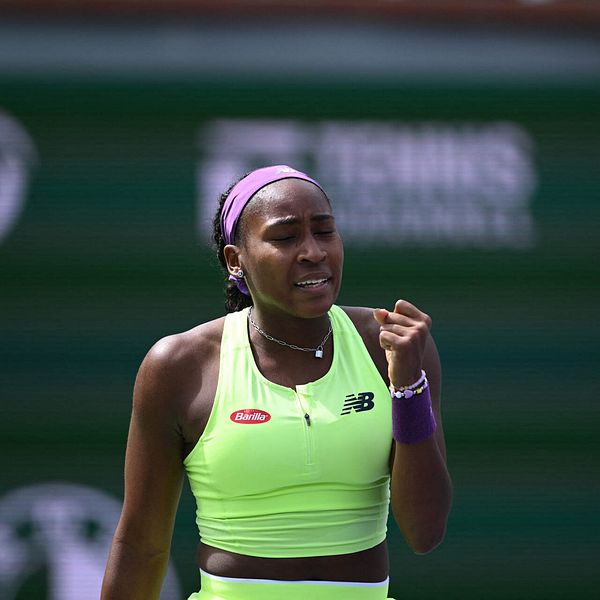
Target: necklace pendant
<point>318,350</point>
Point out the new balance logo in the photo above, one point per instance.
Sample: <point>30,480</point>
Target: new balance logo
<point>364,401</point>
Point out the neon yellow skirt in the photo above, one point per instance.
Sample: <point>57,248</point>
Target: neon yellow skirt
<point>231,588</point>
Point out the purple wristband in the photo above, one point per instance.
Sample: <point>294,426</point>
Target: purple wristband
<point>412,418</point>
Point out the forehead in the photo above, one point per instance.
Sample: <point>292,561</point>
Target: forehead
<point>287,197</point>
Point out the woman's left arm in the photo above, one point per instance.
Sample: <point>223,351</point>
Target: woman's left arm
<point>421,489</point>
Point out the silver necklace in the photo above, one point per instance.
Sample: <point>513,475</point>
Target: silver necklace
<point>318,350</point>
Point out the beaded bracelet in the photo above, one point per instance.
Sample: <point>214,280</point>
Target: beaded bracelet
<point>417,383</point>
<point>408,391</point>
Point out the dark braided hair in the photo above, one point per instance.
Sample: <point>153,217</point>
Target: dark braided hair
<point>234,299</point>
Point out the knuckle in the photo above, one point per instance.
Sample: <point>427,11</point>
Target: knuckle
<point>423,327</point>
<point>384,336</point>
<point>415,338</point>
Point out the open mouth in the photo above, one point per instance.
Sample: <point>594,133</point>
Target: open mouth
<point>312,283</point>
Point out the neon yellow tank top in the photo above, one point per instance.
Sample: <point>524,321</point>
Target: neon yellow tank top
<point>269,481</point>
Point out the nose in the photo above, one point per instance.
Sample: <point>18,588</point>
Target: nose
<point>311,250</point>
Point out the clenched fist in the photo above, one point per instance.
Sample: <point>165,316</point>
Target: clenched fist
<point>403,335</point>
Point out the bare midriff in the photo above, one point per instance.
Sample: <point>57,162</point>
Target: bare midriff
<point>365,566</point>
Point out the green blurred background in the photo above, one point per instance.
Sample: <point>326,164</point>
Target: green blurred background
<point>106,258</point>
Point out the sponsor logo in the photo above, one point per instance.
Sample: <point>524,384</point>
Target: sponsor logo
<point>358,403</point>
<point>467,184</point>
<point>250,416</point>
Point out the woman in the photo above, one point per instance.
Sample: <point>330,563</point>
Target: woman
<point>281,415</point>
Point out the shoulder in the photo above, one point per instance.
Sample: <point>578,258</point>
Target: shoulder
<point>173,351</point>
<point>177,352</point>
<point>177,362</point>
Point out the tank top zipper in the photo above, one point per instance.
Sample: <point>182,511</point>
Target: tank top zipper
<point>307,424</point>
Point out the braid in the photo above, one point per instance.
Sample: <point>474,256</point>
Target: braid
<point>234,299</point>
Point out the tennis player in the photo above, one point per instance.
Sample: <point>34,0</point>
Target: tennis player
<point>296,421</point>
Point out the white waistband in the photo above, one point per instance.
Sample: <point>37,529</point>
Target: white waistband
<point>297,582</point>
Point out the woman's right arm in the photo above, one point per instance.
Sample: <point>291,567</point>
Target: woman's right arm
<point>140,549</point>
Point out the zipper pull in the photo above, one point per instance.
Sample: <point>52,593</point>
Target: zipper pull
<point>307,418</point>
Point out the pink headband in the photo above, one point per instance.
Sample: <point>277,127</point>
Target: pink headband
<point>241,194</point>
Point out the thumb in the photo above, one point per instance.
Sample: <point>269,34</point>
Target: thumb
<point>380,315</point>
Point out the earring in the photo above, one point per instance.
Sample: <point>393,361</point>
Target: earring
<point>240,274</point>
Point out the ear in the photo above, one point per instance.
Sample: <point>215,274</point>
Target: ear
<point>232,258</point>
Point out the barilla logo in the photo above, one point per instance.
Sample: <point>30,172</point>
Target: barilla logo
<point>250,416</point>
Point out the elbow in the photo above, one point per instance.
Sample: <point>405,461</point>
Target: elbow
<point>143,553</point>
<point>423,524</point>
<point>426,541</point>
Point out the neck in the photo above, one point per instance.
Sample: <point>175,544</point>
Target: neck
<point>301,331</point>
